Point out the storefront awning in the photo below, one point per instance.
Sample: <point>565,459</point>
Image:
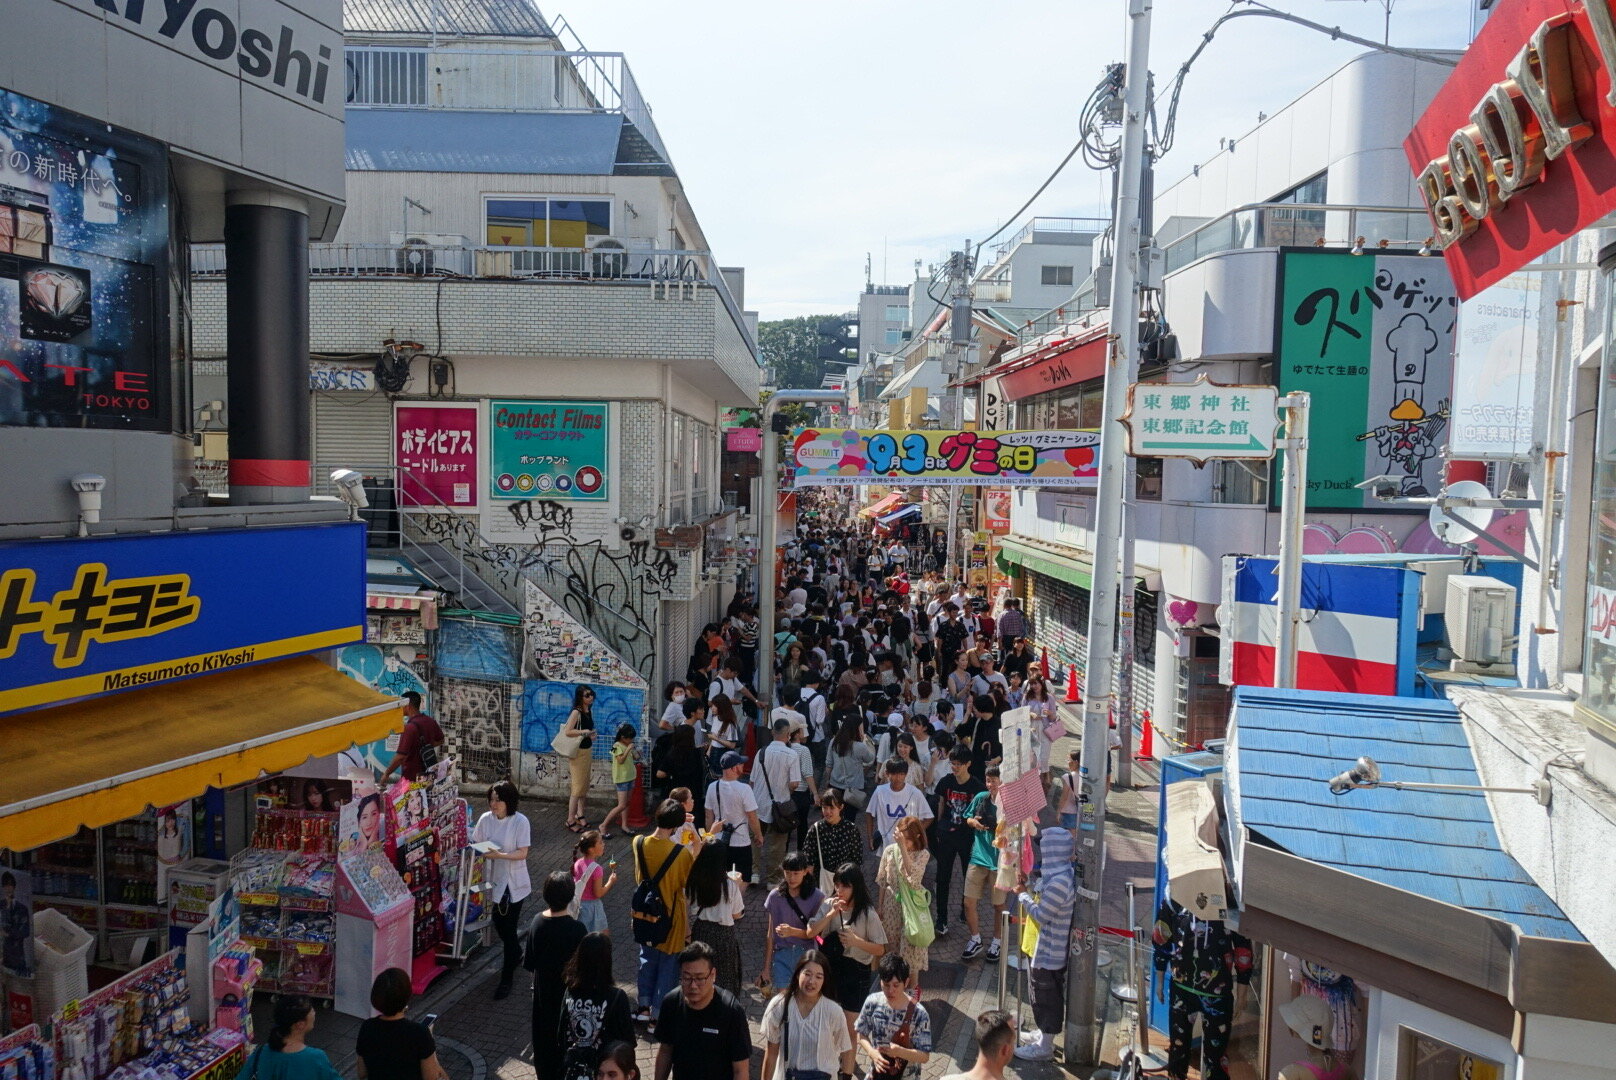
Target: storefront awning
<point>882,505</point>
<point>1061,567</point>
<point>899,514</point>
<point>106,759</point>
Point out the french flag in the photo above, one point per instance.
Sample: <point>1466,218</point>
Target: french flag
<point>1357,632</point>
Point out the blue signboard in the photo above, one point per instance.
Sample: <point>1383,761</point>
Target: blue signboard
<point>545,706</point>
<point>95,616</point>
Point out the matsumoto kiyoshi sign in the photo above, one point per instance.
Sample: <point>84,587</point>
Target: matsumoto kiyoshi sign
<point>549,450</point>
<point>86,617</point>
<point>1371,338</point>
<point>999,458</point>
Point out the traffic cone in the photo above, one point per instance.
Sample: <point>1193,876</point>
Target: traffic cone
<point>1147,740</point>
<point>1074,696</point>
<point>1043,663</point>
<point>636,818</point>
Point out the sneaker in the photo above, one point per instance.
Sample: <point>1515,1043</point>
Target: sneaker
<point>973,948</point>
<point>993,950</point>
<point>757,879</point>
<point>942,929</point>
<point>1035,1051</point>
<point>643,1016</point>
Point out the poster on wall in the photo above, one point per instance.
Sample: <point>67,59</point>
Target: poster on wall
<point>996,510</point>
<point>16,922</point>
<point>549,450</point>
<point>1494,371</point>
<point>946,457</point>
<point>83,272</point>
<point>435,448</point>
<point>1371,338</point>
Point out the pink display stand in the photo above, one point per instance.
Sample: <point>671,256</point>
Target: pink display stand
<point>375,927</point>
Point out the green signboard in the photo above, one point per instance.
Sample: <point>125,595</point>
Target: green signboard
<point>1371,338</point>
<point>549,450</point>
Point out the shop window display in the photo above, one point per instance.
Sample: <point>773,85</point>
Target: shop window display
<point>1204,972</point>
<point>1424,1057</point>
<point>1316,1023</point>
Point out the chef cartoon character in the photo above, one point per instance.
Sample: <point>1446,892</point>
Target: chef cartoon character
<point>1409,440</point>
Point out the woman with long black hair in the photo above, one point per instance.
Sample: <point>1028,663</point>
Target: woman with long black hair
<point>716,901</point>
<point>594,1011</point>
<point>804,1038</point>
<point>580,725</point>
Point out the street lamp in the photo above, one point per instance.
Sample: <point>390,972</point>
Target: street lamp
<point>1365,773</point>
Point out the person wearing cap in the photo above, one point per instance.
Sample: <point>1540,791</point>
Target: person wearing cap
<point>776,774</point>
<point>732,809</point>
<point>1311,1020</point>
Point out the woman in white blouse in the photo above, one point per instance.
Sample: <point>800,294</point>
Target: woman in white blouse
<point>508,881</point>
<point>803,1028</point>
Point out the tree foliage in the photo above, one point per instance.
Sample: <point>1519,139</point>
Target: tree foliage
<point>791,349</point>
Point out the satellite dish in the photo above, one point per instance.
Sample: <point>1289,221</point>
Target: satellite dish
<point>1474,518</point>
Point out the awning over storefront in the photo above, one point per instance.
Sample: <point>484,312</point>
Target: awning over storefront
<point>882,506</point>
<point>899,514</point>
<point>1417,878</point>
<point>1050,564</point>
<point>106,759</point>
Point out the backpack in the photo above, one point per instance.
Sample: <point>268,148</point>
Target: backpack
<point>653,922</point>
<point>431,752</point>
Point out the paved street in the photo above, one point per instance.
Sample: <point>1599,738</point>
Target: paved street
<point>481,1037</point>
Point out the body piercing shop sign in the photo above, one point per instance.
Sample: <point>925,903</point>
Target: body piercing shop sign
<point>1518,150</point>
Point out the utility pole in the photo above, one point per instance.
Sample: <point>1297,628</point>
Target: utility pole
<point>1082,1027</point>
<point>767,545</point>
<point>960,266</point>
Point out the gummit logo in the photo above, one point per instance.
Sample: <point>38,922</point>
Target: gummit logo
<point>259,54</point>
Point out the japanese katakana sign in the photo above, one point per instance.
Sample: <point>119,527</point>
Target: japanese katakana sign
<point>549,450</point>
<point>947,457</point>
<point>1201,420</point>
<point>1371,338</point>
<point>435,446</point>
<point>86,617</point>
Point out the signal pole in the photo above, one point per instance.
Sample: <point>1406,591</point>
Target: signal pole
<point>1082,1024</point>
<point>952,413</point>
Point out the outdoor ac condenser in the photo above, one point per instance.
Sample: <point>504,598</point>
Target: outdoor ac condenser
<point>1481,624</point>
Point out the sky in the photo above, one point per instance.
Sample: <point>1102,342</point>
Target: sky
<point>808,136</point>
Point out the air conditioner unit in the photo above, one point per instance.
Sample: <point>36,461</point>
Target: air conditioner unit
<point>609,256</point>
<point>425,254</point>
<point>1480,614</point>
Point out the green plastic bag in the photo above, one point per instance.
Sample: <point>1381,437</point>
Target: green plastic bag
<point>918,929</point>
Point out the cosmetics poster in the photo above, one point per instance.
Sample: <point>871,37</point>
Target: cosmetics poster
<point>83,270</point>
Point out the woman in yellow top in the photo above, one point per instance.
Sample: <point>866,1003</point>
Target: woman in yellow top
<point>625,763</point>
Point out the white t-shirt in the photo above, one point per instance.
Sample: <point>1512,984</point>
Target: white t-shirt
<point>729,800</point>
<point>887,807</point>
<point>730,688</point>
<point>716,728</point>
<point>817,1041</point>
<point>983,684</point>
<point>783,767</point>
<point>727,910</point>
<point>507,878</point>
<point>813,704</point>
<point>674,714</point>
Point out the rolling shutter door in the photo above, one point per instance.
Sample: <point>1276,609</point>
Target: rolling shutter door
<point>352,430</point>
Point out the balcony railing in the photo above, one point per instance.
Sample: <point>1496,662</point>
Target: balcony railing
<point>1051,225</point>
<point>499,80</point>
<point>1267,225</point>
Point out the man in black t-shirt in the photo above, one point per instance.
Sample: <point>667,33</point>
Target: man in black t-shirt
<point>951,837</point>
<point>701,1032</point>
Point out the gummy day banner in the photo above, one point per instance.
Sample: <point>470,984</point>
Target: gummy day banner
<point>946,458</point>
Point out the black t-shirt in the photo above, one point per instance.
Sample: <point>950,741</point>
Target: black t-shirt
<point>953,798</point>
<point>394,1049</point>
<point>586,722</point>
<point>706,1043</point>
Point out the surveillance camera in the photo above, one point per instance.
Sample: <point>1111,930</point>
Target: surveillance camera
<point>1382,487</point>
<point>88,482</point>
<point>88,487</point>
<point>1364,773</point>
<point>350,487</point>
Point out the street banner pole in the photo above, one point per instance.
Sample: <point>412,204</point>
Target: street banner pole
<point>1082,1022</point>
<point>1292,511</point>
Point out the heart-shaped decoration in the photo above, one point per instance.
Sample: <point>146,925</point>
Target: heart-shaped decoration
<point>1321,539</point>
<point>55,293</point>
<point>1184,613</point>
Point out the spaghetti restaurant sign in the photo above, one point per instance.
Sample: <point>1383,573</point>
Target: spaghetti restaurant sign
<point>1518,150</point>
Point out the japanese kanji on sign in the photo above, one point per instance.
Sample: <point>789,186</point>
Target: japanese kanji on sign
<point>1201,420</point>
<point>999,458</point>
<point>435,447</point>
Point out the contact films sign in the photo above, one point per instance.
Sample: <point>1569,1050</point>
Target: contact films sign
<point>549,450</point>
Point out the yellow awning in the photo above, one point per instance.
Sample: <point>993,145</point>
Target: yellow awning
<point>108,759</point>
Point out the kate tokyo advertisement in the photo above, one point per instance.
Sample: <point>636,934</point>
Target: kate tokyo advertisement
<point>83,272</point>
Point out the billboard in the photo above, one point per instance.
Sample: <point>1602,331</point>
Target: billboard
<point>947,457</point>
<point>86,617</point>
<point>436,447</point>
<point>83,272</point>
<point>1494,371</point>
<point>549,450</point>
<point>1370,337</point>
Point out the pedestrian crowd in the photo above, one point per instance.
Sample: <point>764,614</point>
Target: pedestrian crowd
<point>811,820</point>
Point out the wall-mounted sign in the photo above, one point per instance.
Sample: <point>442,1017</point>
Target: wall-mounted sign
<point>1517,152</point>
<point>992,407</point>
<point>745,440</point>
<point>1016,458</point>
<point>1071,366</point>
<point>1371,338</point>
<point>1201,420</point>
<point>1495,371</point>
<point>435,446</point>
<point>83,272</point>
<point>549,450</point>
<point>86,617</point>
<point>996,510</point>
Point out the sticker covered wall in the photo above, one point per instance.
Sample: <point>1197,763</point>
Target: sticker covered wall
<point>1371,338</point>
<point>83,272</point>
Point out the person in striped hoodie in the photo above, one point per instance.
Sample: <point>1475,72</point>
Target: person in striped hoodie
<point>1051,907</point>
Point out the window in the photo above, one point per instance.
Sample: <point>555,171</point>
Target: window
<point>1148,479</point>
<point>701,440</point>
<point>1056,275</point>
<point>556,223</point>
<point>894,337</point>
<point>1242,482</point>
<point>1310,190</point>
<point>1421,1057</point>
<point>678,471</point>
<point>897,313</point>
<point>1282,225</point>
<point>386,76</point>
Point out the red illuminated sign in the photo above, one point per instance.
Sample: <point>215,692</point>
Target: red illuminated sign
<point>1068,368</point>
<point>1518,151</point>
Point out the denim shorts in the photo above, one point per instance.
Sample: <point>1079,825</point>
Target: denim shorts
<point>785,962</point>
<point>592,913</point>
<point>626,785</point>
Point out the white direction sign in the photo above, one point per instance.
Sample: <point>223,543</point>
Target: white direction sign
<point>1201,420</point>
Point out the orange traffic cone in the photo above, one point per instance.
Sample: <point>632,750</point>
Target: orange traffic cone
<point>1074,696</point>
<point>1043,663</point>
<point>1147,740</point>
<point>636,818</point>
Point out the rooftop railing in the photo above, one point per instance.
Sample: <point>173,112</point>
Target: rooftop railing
<point>1268,225</point>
